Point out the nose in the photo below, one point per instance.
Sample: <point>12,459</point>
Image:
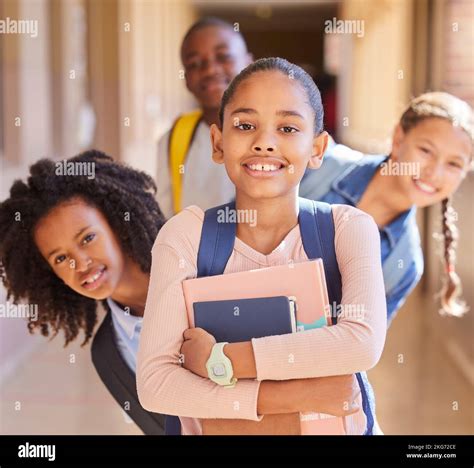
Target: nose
<point>264,143</point>
<point>209,67</point>
<point>434,172</point>
<point>259,149</point>
<point>82,263</point>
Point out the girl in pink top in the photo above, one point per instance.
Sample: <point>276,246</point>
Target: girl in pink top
<point>270,132</point>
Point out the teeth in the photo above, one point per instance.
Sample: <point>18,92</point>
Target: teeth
<point>94,278</point>
<point>425,187</point>
<point>263,167</point>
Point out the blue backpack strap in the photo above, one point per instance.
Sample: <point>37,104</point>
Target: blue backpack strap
<point>368,401</point>
<point>217,240</point>
<point>317,235</point>
<point>172,426</point>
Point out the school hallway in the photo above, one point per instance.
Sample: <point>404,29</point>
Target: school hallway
<point>126,92</point>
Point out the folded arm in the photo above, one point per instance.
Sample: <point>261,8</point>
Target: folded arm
<point>353,345</point>
<point>163,385</point>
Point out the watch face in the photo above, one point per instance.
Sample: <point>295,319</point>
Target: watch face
<point>218,370</point>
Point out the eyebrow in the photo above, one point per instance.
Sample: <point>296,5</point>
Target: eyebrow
<point>289,113</point>
<point>75,237</point>
<point>194,53</point>
<point>282,113</point>
<point>425,140</point>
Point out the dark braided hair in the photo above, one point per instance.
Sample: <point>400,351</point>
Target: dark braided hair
<point>459,113</point>
<point>121,193</point>
<point>289,69</point>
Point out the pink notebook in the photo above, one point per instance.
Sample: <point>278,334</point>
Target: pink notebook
<point>305,281</point>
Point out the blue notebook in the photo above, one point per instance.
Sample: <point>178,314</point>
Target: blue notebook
<point>239,320</point>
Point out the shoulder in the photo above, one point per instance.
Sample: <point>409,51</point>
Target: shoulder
<point>163,141</point>
<point>165,136</point>
<point>346,216</point>
<point>343,154</point>
<point>357,246</point>
<point>356,233</point>
<point>182,232</point>
<point>338,159</point>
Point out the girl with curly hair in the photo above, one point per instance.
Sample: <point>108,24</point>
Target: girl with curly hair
<point>69,241</point>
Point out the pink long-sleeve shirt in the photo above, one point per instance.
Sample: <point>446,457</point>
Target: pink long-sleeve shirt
<point>353,345</point>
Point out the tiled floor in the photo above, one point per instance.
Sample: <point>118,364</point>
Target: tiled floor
<point>416,384</point>
<point>59,392</point>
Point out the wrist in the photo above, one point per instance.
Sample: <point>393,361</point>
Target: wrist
<point>219,367</point>
<point>277,397</point>
<point>242,358</point>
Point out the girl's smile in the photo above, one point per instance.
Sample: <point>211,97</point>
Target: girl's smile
<point>425,187</point>
<point>264,166</point>
<point>95,278</point>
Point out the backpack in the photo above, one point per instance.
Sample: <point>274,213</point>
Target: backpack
<point>181,137</point>
<point>317,233</point>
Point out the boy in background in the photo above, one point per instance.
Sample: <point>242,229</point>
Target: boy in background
<point>212,53</point>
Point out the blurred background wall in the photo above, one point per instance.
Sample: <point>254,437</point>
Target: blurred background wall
<point>107,74</point>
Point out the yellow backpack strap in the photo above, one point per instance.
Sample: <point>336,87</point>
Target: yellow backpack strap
<point>181,137</point>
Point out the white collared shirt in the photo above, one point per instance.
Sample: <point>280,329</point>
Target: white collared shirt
<point>205,183</point>
<point>127,329</point>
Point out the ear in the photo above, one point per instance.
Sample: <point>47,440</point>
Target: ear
<point>320,143</point>
<point>397,140</point>
<point>216,142</point>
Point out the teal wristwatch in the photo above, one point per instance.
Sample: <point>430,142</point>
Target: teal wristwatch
<point>219,367</point>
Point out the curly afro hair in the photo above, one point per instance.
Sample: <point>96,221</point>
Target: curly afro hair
<point>116,190</point>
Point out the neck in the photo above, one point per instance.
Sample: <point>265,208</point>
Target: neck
<point>132,289</point>
<point>210,116</point>
<point>384,198</point>
<point>273,217</point>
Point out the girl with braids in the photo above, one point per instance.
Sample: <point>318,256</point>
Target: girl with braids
<point>69,242</point>
<point>431,154</point>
